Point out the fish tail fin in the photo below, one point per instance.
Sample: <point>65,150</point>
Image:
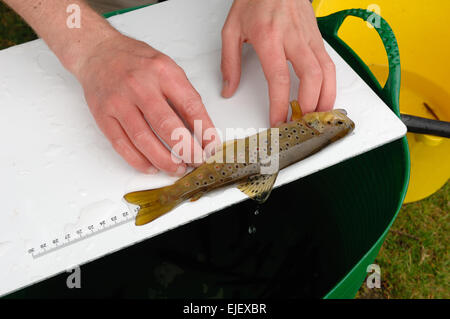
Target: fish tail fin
<point>153,203</point>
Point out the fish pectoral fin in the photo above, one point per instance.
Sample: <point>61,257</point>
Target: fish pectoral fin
<point>197,196</point>
<point>296,110</point>
<point>258,187</point>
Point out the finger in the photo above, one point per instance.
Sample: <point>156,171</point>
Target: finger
<point>276,71</point>
<point>328,91</point>
<point>307,68</point>
<point>122,144</point>
<point>188,103</point>
<point>231,60</point>
<point>147,142</point>
<point>166,123</point>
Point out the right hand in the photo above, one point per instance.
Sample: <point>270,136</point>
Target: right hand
<point>126,84</point>
<point>280,31</point>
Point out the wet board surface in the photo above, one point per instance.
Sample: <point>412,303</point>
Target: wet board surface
<point>61,178</point>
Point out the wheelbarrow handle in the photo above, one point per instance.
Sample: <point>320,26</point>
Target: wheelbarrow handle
<point>422,125</point>
<point>329,27</point>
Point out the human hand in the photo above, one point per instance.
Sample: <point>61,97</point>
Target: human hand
<point>126,84</point>
<point>280,31</point>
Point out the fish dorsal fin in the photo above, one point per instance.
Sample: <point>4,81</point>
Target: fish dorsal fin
<point>258,187</point>
<point>296,110</point>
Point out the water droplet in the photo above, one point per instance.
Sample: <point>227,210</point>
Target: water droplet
<point>90,246</point>
<point>4,247</point>
<point>48,164</point>
<point>53,150</point>
<point>82,192</point>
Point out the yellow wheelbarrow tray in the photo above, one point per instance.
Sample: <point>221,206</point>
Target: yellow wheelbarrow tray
<point>425,88</point>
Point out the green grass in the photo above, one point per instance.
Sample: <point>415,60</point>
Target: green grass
<point>13,30</point>
<point>414,258</point>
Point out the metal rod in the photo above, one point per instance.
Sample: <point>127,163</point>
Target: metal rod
<point>422,125</point>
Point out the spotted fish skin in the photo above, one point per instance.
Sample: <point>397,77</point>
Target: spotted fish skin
<point>314,131</point>
<point>241,161</point>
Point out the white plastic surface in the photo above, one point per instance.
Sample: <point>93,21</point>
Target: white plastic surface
<point>58,172</point>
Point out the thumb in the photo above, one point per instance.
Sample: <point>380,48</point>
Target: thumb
<point>231,61</point>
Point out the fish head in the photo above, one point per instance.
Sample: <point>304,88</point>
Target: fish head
<point>334,120</point>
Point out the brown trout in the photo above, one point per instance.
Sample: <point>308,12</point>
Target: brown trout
<point>252,162</point>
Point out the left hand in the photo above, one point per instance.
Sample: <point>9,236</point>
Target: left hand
<point>280,31</point>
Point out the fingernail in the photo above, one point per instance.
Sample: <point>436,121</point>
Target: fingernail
<point>225,86</point>
<point>152,170</point>
<point>278,124</point>
<point>180,170</point>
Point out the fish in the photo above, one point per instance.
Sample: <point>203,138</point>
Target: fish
<point>252,162</point>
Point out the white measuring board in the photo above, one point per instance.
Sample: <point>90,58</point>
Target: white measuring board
<point>61,183</point>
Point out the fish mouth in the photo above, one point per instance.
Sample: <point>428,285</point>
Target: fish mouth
<point>348,121</point>
<point>352,125</point>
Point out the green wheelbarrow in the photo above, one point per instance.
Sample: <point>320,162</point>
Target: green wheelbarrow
<point>378,179</point>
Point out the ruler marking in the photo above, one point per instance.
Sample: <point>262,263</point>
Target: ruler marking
<point>96,231</point>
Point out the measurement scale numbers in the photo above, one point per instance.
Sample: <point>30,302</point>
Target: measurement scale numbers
<point>80,234</point>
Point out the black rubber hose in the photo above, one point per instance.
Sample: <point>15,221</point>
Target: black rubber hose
<point>422,125</point>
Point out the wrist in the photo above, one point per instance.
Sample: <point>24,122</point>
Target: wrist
<point>82,45</point>
<point>49,19</point>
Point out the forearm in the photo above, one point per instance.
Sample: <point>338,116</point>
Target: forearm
<point>49,19</point>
